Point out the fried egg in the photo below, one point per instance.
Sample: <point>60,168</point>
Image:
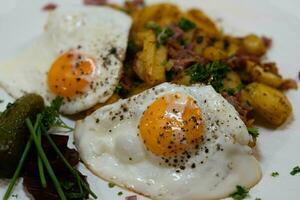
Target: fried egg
<point>78,57</point>
<point>170,142</point>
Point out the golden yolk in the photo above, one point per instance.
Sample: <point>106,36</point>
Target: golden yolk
<point>71,74</point>
<point>172,125</point>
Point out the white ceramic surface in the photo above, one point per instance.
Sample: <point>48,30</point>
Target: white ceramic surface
<point>278,150</point>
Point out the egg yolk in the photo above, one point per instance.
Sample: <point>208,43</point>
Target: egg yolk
<point>71,74</point>
<point>172,125</point>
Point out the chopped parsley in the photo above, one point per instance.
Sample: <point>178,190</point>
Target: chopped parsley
<point>111,185</point>
<point>118,89</point>
<point>186,24</point>
<point>162,34</point>
<point>253,131</point>
<point>274,174</point>
<point>257,198</point>
<point>50,115</point>
<point>154,26</point>
<point>295,170</point>
<point>120,193</point>
<point>240,193</point>
<point>212,73</point>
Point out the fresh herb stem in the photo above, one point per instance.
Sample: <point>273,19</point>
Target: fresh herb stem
<point>45,160</point>
<point>75,173</point>
<point>40,163</point>
<point>18,170</point>
<point>21,163</point>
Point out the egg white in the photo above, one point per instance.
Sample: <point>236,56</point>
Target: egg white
<point>96,31</point>
<point>109,145</point>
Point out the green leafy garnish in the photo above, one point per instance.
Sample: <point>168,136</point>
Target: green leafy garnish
<point>240,193</point>
<point>274,174</point>
<point>120,193</point>
<point>154,26</point>
<point>111,185</point>
<point>186,24</point>
<point>118,89</point>
<point>212,73</point>
<point>162,34</point>
<point>50,116</point>
<point>257,198</point>
<point>295,170</point>
<point>253,131</point>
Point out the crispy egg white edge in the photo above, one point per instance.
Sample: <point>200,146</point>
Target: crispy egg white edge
<point>241,139</point>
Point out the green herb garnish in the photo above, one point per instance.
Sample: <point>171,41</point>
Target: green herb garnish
<point>186,24</point>
<point>212,73</point>
<point>253,131</point>
<point>274,174</point>
<point>295,170</point>
<point>257,198</point>
<point>111,185</point>
<point>154,26</point>
<point>240,193</point>
<point>50,116</point>
<point>120,193</point>
<point>162,34</point>
<point>118,89</point>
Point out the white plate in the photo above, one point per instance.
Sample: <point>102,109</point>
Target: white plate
<point>278,150</point>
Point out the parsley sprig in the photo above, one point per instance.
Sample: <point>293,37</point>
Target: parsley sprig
<point>162,34</point>
<point>253,131</point>
<point>240,193</point>
<point>295,170</point>
<point>212,73</point>
<point>186,24</point>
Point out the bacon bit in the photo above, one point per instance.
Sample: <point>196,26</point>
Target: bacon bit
<point>49,7</point>
<point>267,41</point>
<point>240,60</point>
<point>133,197</point>
<point>178,32</point>
<point>270,67</point>
<point>94,2</point>
<point>289,84</point>
<point>135,3</point>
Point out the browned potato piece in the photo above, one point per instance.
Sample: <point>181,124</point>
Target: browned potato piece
<point>148,64</point>
<point>202,21</point>
<point>162,14</point>
<point>268,102</point>
<point>254,45</point>
<point>213,53</point>
<point>258,74</point>
<point>232,80</point>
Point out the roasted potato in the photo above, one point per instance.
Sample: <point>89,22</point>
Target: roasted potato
<point>232,80</point>
<point>148,64</point>
<point>254,45</point>
<point>268,102</point>
<point>198,17</point>
<point>258,74</point>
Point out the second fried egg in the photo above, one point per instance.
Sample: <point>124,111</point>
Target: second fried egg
<point>78,57</point>
<point>170,142</point>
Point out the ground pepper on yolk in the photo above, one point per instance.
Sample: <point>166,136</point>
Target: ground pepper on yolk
<point>71,74</point>
<point>172,125</point>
